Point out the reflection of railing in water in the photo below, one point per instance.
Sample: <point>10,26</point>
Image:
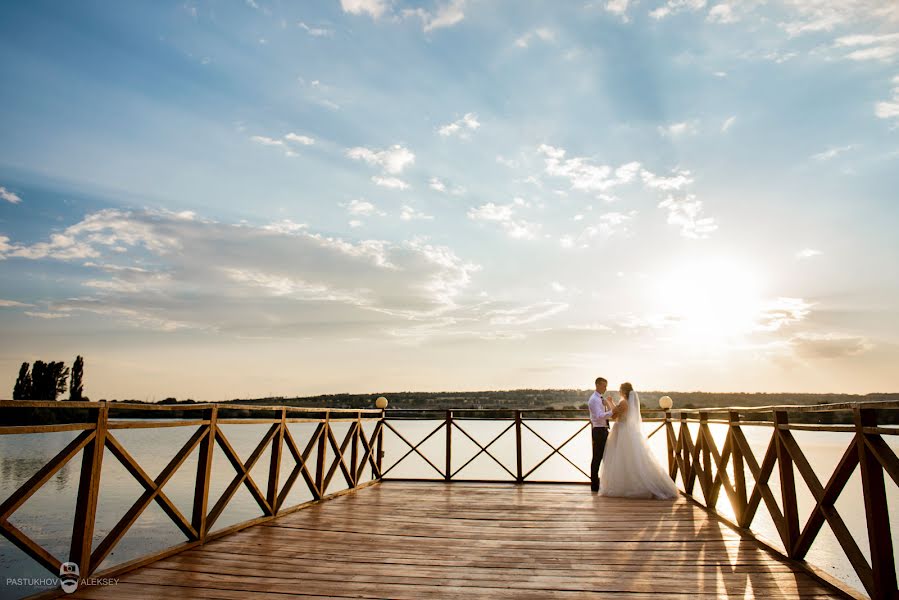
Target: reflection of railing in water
<point>98,434</point>
<point>703,462</point>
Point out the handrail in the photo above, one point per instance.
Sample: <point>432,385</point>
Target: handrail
<point>100,433</point>
<point>60,404</point>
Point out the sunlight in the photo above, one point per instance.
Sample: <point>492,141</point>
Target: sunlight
<point>711,299</point>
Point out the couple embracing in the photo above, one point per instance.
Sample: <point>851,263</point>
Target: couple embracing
<point>623,464</point>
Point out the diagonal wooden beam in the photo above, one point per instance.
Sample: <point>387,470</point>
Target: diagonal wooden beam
<point>243,475</point>
<point>761,490</point>
<point>483,449</point>
<point>556,450</point>
<point>30,547</point>
<point>34,483</point>
<point>338,456</point>
<point>152,491</point>
<point>301,468</point>
<point>413,448</point>
<point>369,454</point>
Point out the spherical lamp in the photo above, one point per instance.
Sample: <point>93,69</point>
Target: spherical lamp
<point>381,402</point>
<point>665,403</point>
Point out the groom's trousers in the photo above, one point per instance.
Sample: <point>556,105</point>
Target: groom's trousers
<point>600,434</point>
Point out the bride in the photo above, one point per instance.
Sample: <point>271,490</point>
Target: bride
<point>629,468</point>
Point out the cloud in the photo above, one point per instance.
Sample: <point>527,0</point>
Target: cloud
<point>526,314</point>
<point>9,196</point>
<point>12,304</point>
<point>392,160</point>
<point>686,212</point>
<point>584,175</point>
<point>461,127</point>
<point>363,208</point>
<point>675,130</point>
<point>315,31</point>
<point>446,15</point>
<point>436,184</point>
<point>266,141</point>
<point>889,109</point>
<point>393,183</point>
<point>408,213</point>
<point>676,6</point>
<point>618,7</point>
<point>728,123</point>
<point>304,140</point>
<point>242,278</point>
<point>373,8</point>
<point>811,16</point>
<point>782,312</point>
<point>808,253</point>
<point>504,215</point>
<point>832,152</point>
<point>828,346</point>
<point>870,47</point>
<point>507,162</point>
<point>48,315</point>
<point>541,33</point>
<point>722,12</point>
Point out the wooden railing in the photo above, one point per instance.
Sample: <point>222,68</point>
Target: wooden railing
<point>701,461</point>
<point>99,433</point>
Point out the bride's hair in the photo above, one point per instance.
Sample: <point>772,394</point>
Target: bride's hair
<point>625,390</point>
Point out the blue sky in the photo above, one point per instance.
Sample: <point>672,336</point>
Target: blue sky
<point>236,199</point>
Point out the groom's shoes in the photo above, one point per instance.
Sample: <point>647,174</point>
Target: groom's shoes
<point>594,487</point>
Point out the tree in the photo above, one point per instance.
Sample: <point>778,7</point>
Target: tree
<point>22,389</point>
<point>48,380</point>
<point>76,386</point>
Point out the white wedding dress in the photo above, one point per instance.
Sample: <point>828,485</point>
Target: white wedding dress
<point>629,469</point>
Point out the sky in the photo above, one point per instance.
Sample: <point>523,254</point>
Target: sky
<point>233,199</point>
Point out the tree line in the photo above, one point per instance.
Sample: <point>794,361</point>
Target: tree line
<point>47,380</point>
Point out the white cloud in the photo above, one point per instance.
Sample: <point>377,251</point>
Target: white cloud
<point>722,12</point>
<point>541,33</point>
<point>409,213</point>
<point>675,130</point>
<point>618,7</point>
<point>584,175</point>
<point>526,314</point>
<point>728,123</point>
<point>374,8</point>
<point>810,16</point>
<point>678,181</point>
<point>305,140</point>
<point>360,207</point>
<point>9,196</point>
<point>832,152</point>
<point>557,287</point>
<point>315,31</point>
<point>48,315</point>
<point>446,15</point>
<point>504,214</point>
<point>243,278</point>
<point>686,212</point>
<point>781,312</point>
<point>507,162</point>
<point>828,345</point>
<point>266,141</point>
<point>436,184</point>
<point>460,127</point>
<point>889,109</point>
<point>12,303</point>
<point>393,183</point>
<point>676,6</point>
<point>808,253</point>
<point>393,160</point>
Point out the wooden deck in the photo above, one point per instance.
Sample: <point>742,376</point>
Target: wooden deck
<point>458,540</point>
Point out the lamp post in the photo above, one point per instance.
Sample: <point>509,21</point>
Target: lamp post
<point>665,403</point>
<point>381,403</point>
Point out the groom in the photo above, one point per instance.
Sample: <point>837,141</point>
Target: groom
<point>599,418</point>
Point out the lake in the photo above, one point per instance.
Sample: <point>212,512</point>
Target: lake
<point>47,516</point>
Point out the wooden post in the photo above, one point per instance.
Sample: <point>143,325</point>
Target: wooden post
<point>668,446</point>
<point>88,494</point>
<point>449,446</point>
<point>876,509</point>
<point>354,452</point>
<point>320,459</point>
<point>687,475</point>
<point>518,477</point>
<point>380,446</point>
<point>739,473</point>
<point>787,484</point>
<point>274,467</point>
<point>204,471</point>
<point>706,458</point>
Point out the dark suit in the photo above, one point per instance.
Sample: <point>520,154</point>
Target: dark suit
<point>600,434</point>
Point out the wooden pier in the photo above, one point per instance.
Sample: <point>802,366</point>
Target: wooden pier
<point>465,540</point>
<point>442,535</point>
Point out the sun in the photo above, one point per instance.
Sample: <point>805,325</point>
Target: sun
<point>711,299</point>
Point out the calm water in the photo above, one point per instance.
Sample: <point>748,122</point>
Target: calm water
<point>47,516</point>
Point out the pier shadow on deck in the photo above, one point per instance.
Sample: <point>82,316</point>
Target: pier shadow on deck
<point>439,540</point>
